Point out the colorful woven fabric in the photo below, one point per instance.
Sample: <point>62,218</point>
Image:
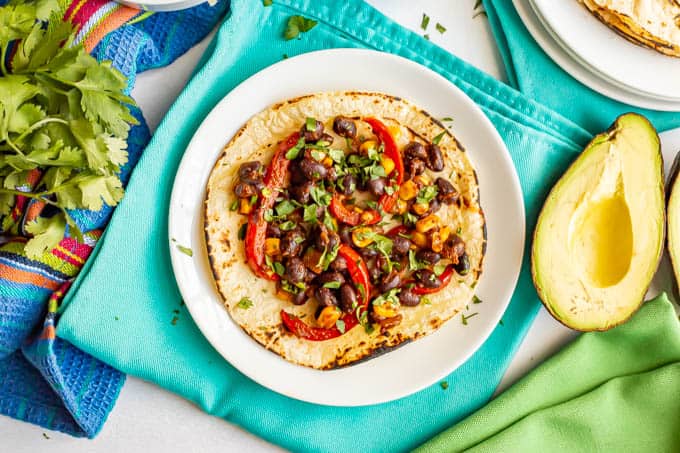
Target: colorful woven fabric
<point>43,379</point>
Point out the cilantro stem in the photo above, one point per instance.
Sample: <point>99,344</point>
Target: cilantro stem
<point>40,124</point>
<point>38,196</point>
<point>14,147</point>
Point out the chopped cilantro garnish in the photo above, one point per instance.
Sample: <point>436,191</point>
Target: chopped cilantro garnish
<point>295,150</point>
<point>444,384</point>
<point>425,21</point>
<point>318,155</point>
<point>242,231</point>
<point>245,303</point>
<point>267,3</point>
<point>310,124</point>
<point>288,226</point>
<point>309,214</point>
<point>340,324</point>
<point>336,154</point>
<point>186,250</point>
<point>476,300</point>
<point>438,138</point>
<point>464,318</point>
<point>427,194</point>
<point>332,285</point>
<point>425,300</point>
<point>234,206</point>
<point>284,208</point>
<point>389,297</point>
<point>297,25</point>
<point>320,196</point>
<point>440,28</point>
<point>439,269</point>
<point>278,268</point>
<point>447,119</point>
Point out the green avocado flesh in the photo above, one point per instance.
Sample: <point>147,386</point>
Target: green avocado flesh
<point>599,237</point>
<point>673,213</point>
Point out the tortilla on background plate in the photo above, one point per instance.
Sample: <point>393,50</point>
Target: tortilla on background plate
<point>428,294</point>
<point>651,23</point>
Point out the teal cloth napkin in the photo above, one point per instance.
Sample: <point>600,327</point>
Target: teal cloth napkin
<point>535,74</point>
<point>122,307</point>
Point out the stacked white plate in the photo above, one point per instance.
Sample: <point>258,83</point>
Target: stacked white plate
<point>600,58</point>
<point>164,5</point>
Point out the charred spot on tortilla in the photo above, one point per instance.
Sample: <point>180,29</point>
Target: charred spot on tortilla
<point>336,271</point>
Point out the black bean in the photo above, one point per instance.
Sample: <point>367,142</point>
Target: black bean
<point>331,277</point>
<point>296,175</point>
<point>435,206</point>
<point>250,172</point>
<point>244,190</point>
<point>435,159</point>
<point>368,253</point>
<point>415,167</point>
<point>344,127</point>
<point>415,150</point>
<point>346,235</point>
<point>400,245</point>
<point>327,139</point>
<point>301,192</point>
<point>314,135</point>
<point>463,265</point>
<point>299,298</point>
<point>348,297</point>
<point>291,243</point>
<point>454,248</point>
<point>273,231</point>
<point>377,186</point>
<point>295,270</point>
<point>325,297</point>
<point>427,278</point>
<point>428,256</point>
<point>348,184</point>
<point>313,170</point>
<point>375,273</point>
<point>446,192</point>
<point>339,264</point>
<point>390,282</point>
<point>408,298</point>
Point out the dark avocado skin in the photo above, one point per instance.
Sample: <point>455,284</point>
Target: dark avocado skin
<point>606,135</point>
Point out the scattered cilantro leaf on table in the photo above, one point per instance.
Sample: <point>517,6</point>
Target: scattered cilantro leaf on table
<point>61,112</point>
<point>297,25</point>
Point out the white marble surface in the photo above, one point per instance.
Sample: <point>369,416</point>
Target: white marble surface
<point>150,419</point>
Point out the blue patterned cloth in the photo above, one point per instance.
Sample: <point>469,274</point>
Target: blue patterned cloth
<point>45,380</point>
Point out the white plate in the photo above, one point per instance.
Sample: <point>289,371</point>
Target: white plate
<point>582,73</point>
<point>607,53</point>
<point>163,5</point>
<point>418,364</point>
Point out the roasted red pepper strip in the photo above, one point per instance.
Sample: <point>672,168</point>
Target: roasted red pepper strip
<point>350,217</point>
<point>386,201</point>
<point>256,232</point>
<point>358,272</point>
<point>300,329</point>
<point>445,278</point>
<point>359,275</point>
<point>397,230</point>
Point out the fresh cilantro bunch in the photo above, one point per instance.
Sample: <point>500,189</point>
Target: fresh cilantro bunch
<point>62,112</point>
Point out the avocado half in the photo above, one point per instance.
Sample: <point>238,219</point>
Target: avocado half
<point>673,213</point>
<point>600,235</point>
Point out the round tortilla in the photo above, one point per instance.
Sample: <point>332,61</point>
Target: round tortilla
<point>257,140</point>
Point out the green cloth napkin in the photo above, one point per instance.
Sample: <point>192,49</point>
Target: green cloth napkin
<point>122,306</point>
<point>615,391</point>
<point>535,74</point>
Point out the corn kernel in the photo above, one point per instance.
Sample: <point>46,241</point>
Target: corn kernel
<point>367,145</point>
<point>328,317</point>
<point>385,310</point>
<point>395,132</point>
<point>423,180</point>
<point>366,217</point>
<point>244,206</point>
<point>283,294</point>
<point>387,163</point>
<point>408,190</point>
<point>445,232</point>
<point>400,206</point>
<point>421,208</point>
<point>272,246</point>
<point>427,223</point>
<point>419,239</point>
<point>362,237</point>
<point>327,162</point>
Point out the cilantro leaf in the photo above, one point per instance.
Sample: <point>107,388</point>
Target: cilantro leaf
<point>245,303</point>
<point>297,25</point>
<point>47,233</point>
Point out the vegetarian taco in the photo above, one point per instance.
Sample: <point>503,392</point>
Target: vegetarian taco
<point>340,225</point>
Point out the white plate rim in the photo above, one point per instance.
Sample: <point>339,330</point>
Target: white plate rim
<point>183,234</point>
<point>603,44</point>
<point>582,73</point>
